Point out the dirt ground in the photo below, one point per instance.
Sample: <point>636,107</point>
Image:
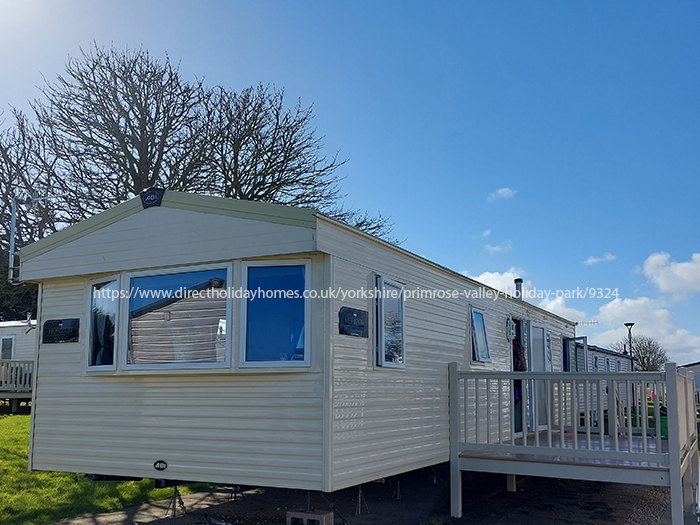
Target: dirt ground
<point>424,500</point>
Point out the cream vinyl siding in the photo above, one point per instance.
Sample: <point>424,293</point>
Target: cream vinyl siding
<point>263,429</point>
<point>387,421</point>
<point>336,423</point>
<point>148,237</point>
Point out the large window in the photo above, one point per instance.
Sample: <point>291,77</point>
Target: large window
<point>480,346</point>
<point>389,322</point>
<point>104,305</point>
<point>178,318</point>
<point>275,314</point>
<point>7,347</point>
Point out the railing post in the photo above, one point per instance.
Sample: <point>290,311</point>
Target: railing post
<point>454,417</point>
<point>674,444</point>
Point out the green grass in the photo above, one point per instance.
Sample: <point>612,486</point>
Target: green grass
<point>40,498</point>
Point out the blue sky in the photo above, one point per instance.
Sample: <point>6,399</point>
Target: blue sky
<point>586,117</point>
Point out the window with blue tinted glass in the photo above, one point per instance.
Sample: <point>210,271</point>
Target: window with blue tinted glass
<point>275,321</point>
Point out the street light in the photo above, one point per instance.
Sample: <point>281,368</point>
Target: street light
<point>629,333</point>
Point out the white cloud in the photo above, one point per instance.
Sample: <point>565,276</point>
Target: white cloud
<point>605,258</point>
<point>558,306</point>
<point>486,233</point>
<point>505,282</point>
<point>501,281</point>
<point>502,193</point>
<point>673,277</point>
<point>501,248</point>
<point>650,318</point>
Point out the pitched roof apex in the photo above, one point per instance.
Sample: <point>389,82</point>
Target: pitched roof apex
<point>263,211</point>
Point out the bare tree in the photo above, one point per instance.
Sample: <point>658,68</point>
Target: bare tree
<point>118,122</point>
<point>17,178</point>
<point>121,122</point>
<point>650,355</point>
<point>266,152</point>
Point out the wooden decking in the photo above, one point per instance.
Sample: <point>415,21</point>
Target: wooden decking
<point>636,428</point>
<point>16,381</point>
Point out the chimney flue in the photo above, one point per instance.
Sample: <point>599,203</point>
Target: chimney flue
<point>519,288</point>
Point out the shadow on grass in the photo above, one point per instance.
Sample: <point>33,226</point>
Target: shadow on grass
<point>40,498</point>
<point>80,497</point>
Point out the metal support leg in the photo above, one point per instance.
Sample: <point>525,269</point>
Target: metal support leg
<point>397,491</point>
<point>176,501</point>
<point>360,500</point>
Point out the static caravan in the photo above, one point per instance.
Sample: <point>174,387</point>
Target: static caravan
<point>17,340</point>
<point>601,359</point>
<point>187,337</point>
<point>695,367</point>
<point>17,349</point>
<point>580,356</point>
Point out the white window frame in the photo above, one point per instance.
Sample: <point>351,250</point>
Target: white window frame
<point>12,350</point>
<point>379,341</point>
<point>117,316</point>
<point>242,363</point>
<point>471,343</point>
<point>124,309</point>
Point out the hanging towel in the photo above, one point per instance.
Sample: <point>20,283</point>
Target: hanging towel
<point>519,359</point>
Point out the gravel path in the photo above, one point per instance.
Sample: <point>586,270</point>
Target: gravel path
<point>653,509</point>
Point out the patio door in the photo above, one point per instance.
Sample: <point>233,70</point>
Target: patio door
<point>540,354</point>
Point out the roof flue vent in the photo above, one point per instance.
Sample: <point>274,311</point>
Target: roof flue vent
<point>519,288</point>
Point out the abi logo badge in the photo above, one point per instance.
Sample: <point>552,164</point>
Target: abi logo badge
<point>151,197</point>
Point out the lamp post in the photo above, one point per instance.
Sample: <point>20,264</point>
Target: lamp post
<point>629,334</point>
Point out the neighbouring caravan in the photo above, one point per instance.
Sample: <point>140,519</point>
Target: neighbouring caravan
<point>17,340</point>
<point>17,349</point>
<point>695,367</point>
<point>581,356</point>
<point>605,360</point>
<point>209,339</point>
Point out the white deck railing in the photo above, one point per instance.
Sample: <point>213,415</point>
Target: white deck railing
<point>604,416</point>
<point>577,423</point>
<point>15,376</point>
